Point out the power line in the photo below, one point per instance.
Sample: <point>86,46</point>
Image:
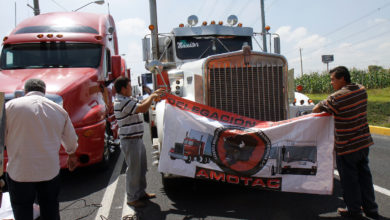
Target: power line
<point>348,36</point>
<point>350,23</point>
<point>354,43</point>
<point>356,20</point>
<point>270,5</point>
<point>59,5</point>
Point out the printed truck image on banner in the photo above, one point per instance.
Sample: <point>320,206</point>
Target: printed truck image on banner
<point>202,142</point>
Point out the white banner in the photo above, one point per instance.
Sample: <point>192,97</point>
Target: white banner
<point>201,142</point>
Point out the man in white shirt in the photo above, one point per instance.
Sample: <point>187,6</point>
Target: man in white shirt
<point>35,129</point>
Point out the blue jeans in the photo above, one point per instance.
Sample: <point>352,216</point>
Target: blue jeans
<point>135,157</point>
<point>356,181</point>
<point>23,194</point>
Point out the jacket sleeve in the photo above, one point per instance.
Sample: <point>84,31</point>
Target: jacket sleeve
<point>69,137</point>
<point>329,105</point>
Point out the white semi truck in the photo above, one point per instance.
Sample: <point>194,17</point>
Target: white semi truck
<point>214,64</point>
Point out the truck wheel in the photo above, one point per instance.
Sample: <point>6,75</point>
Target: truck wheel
<point>188,160</point>
<point>146,117</point>
<point>167,182</point>
<point>106,150</point>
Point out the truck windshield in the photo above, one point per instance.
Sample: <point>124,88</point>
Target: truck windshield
<point>204,46</point>
<point>50,55</point>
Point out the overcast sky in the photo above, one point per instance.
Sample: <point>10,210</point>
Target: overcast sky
<point>356,32</point>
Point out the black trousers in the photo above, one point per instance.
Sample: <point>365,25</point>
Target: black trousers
<point>356,181</point>
<point>23,195</point>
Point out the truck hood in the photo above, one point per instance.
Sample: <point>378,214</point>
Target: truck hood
<point>57,79</point>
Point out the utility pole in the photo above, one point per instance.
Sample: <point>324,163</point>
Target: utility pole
<point>263,26</point>
<point>154,34</point>
<point>36,7</point>
<point>300,53</point>
<point>15,13</point>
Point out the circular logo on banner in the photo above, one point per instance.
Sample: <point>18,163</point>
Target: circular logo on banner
<point>240,150</point>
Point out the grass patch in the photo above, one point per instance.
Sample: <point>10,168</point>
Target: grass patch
<point>378,106</point>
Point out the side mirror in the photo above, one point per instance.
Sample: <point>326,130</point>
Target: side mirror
<point>155,65</point>
<point>146,49</point>
<point>277,45</point>
<point>116,66</point>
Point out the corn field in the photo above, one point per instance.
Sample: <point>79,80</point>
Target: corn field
<point>375,78</point>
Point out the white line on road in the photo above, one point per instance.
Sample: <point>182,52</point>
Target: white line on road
<point>376,188</point>
<point>127,210</point>
<point>110,190</point>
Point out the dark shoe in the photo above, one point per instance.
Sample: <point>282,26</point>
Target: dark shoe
<point>373,215</point>
<point>148,196</point>
<point>347,214</point>
<point>136,204</point>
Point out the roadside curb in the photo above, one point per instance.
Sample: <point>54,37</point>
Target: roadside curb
<point>380,130</point>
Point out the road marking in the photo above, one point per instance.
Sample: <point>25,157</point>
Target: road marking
<point>376,188</point>
<point>127,210</point>
<point>110,190</point>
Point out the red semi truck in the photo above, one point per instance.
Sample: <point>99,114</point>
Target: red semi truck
<point>196,145</point>
<point>76,55</point>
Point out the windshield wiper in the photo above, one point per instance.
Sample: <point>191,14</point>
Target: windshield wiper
<point>223,45</point>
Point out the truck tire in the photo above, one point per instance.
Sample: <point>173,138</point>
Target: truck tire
<point>107,148</point>
<point>146,117</point>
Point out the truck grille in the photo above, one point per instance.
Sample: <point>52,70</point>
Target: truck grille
<point>254,91</point>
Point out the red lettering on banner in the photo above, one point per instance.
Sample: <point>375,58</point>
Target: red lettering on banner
<point>219,176</point>
<point>195,109</point>
<point>202,173</point>
<point>273,183</point>
<point>250,124</point>
<point>180,104</point>
<point>204,112</point>
<point>259,182</point>
<point>246,180</point>
<point>223,118</point>
<point>171,101</point>
<point>214,116</point>
<point>232,179</point>
<point>210,112</point>
<point>239,121</point>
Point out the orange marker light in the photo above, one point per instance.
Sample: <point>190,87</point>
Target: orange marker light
<point>220,22</point>
<point>5,38</point>
<point>151,27</point>
<point>98,37</point>
<point>212,22</point>
<point>39,35</point>
<point>49,35</point>
<point>299,88</point>
<point>181,25</point>
<point>239,25</point>
<point>267,28</point>
<point>204,23</point>
<point>59,35</point>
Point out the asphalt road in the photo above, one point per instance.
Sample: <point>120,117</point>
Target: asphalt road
<point>93,193</point>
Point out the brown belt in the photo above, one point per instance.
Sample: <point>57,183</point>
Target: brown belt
<point>133,137</point>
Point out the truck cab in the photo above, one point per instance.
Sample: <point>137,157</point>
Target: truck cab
<point>76,55</point>
<point>214,64</point>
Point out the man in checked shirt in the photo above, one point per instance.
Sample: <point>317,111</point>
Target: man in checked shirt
<point>128,111</point>
<point>348,105</point>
